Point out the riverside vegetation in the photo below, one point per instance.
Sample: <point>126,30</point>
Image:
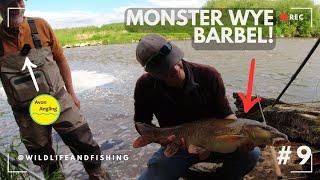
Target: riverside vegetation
<point>117,33</point>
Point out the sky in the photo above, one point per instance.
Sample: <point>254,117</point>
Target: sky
<point>75,13</point>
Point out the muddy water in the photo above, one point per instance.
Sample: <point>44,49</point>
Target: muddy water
<point>105,77</point>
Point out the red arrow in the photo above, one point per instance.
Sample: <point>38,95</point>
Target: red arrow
<point>247,99</point>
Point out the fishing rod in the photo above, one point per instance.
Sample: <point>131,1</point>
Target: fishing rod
<point>298,71</point>
<point>20,166</point>
<point>273,153</point>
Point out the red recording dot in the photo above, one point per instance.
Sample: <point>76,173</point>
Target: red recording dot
<point>283,17</point>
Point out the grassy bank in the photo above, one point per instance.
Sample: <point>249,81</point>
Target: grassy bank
<point>117,34</point>
<point>286,29</point>
<point>107,34</point>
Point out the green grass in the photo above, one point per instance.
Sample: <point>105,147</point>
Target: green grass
<point>12,151</point>
<point>117,34</point>
<point>288,29</point>
<point>107,34</point>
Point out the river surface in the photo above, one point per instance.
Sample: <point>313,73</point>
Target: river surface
<point>105,76</point>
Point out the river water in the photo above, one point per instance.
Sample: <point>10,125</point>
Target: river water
<point>105,76</point>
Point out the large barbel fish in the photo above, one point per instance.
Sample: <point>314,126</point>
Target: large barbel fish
<point>216,135</point>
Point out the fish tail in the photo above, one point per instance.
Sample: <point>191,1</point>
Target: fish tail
<point>284,136</point>
<point>148,134</point>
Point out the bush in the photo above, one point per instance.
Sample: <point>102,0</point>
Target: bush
<point>288,29</point>
<point>13,153</point>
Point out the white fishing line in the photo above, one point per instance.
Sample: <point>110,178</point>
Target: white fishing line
<point>260,107</point>
<point>261,110</point>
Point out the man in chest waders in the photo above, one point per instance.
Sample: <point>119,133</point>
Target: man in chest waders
<point>53,76</point>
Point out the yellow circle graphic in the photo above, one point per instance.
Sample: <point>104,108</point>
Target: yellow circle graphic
<point>44,109</point>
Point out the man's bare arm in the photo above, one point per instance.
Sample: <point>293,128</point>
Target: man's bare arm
<point>62,63</point>
<point>66,75</point>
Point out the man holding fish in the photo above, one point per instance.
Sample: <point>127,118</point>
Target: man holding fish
<point>181,94</point>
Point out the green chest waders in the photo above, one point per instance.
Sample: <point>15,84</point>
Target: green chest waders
<point>20,90</point>
<point>18,84</point>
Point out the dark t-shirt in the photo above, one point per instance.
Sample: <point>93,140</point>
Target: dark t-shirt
<point>203,96</point>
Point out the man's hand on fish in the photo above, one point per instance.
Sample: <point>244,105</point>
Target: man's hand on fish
<point>246,147</point>
<point>192,149</point>
<point>200,151</point>
<point>214,135</point>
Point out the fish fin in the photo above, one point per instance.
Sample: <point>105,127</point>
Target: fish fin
<point>141,142</point>
<point>171,149</point>
<point>229,138</point>
<point>279,141</point>
<point>147,132</point>
<point>145,129</point>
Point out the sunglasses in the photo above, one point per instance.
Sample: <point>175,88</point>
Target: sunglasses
<point>154,62</point>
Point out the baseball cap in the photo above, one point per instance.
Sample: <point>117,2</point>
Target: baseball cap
<point>156,54</point>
